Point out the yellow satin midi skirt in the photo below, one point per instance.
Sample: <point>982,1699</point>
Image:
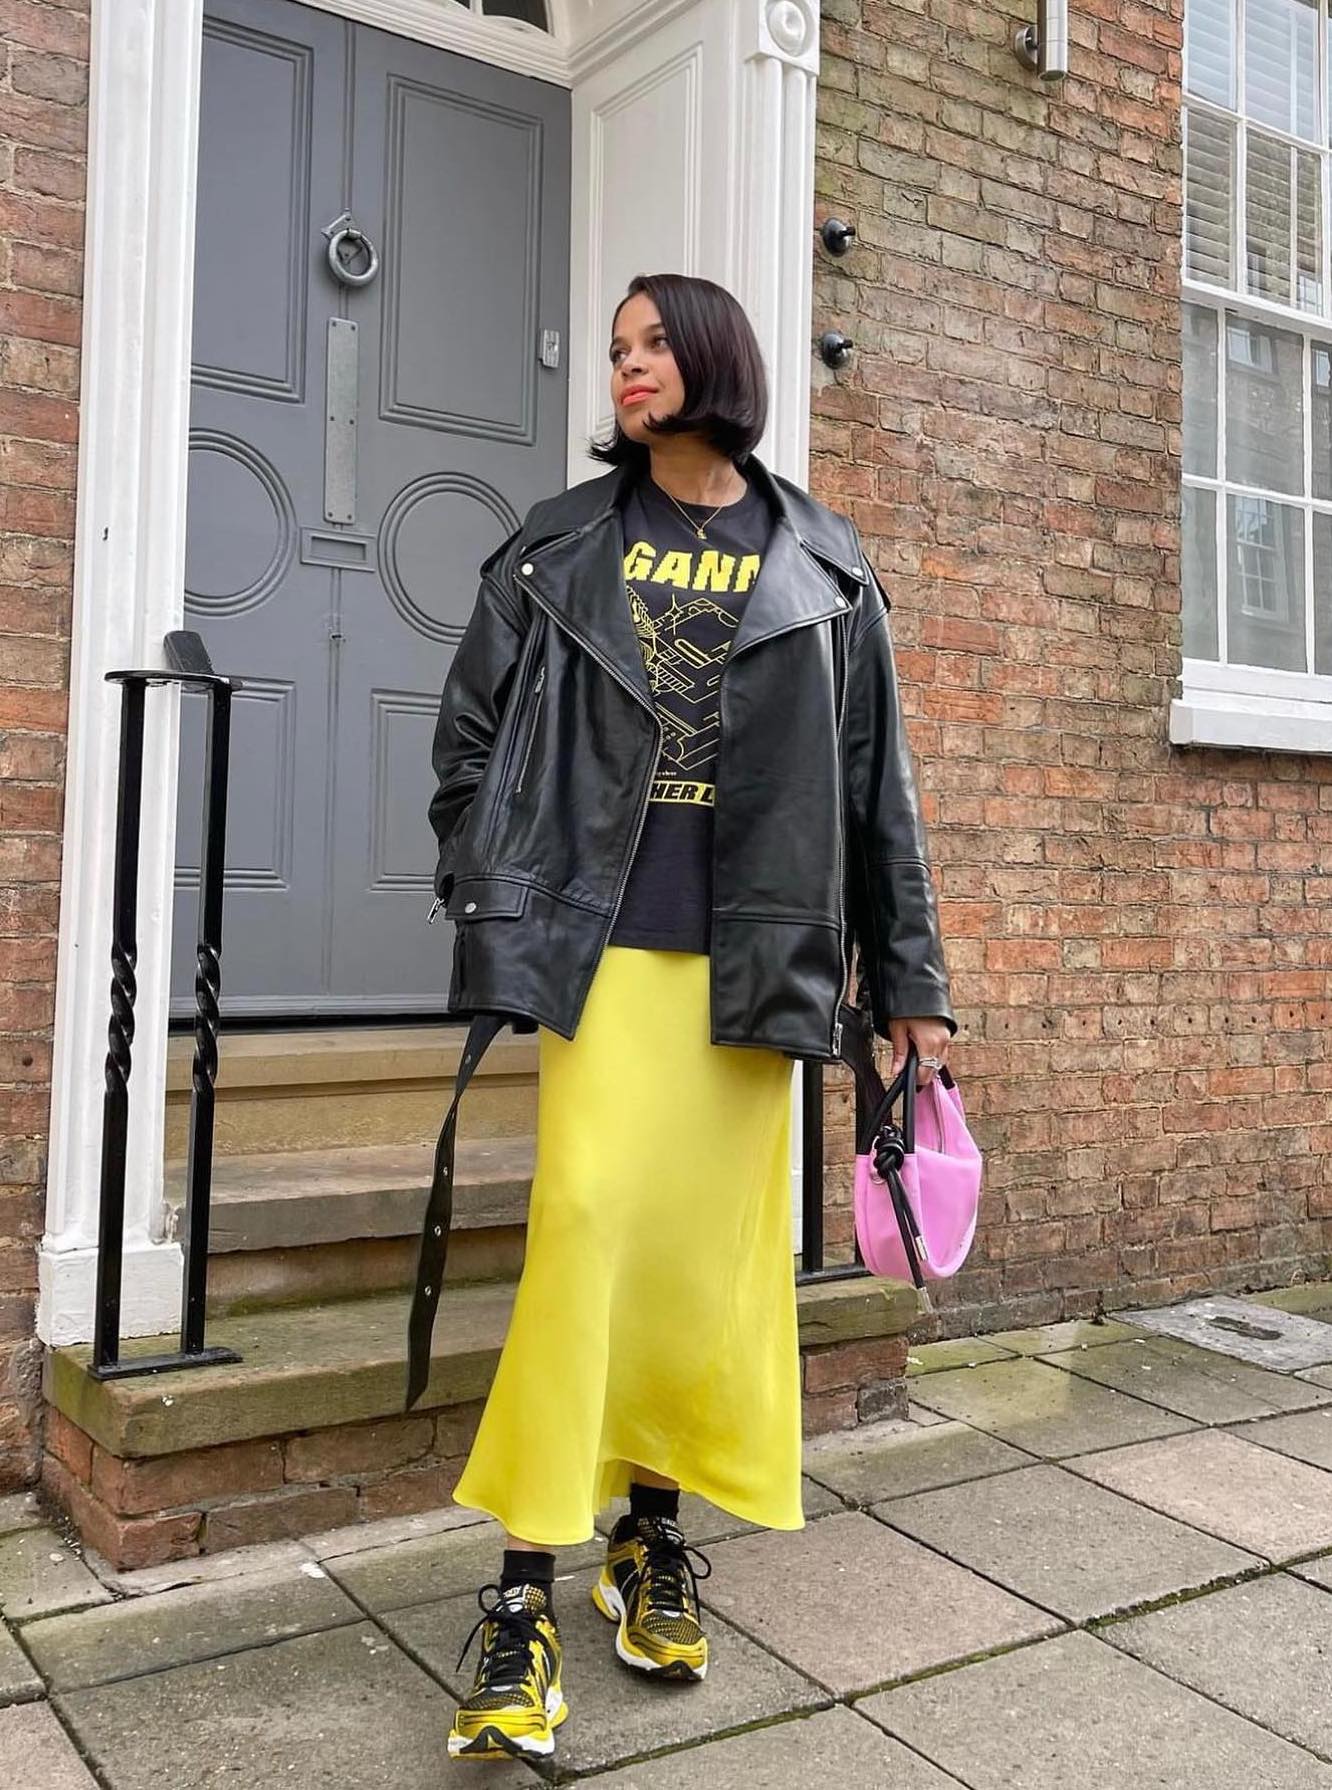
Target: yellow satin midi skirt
<point>654,1324</point>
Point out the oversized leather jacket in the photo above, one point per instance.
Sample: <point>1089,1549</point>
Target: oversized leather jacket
<point>547,744</point>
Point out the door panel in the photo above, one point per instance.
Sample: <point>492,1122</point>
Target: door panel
<point>461,428</point>
<point>339,599</point>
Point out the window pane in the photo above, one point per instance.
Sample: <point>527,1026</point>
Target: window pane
<point>1308,231</point>
<point>1268,220</point>
<point>1322,574</point>
<point>1209,184</point>
<point>1280,64</point>
<point>1198,572</point>
<point>534,11</point>
<point>1320,416</point>
<point>1264,406</point>
<point>1264,584</point>
<point>1199,391</point>
<point>1209,49</point>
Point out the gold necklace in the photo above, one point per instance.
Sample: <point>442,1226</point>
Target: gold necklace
<point>697,527</point>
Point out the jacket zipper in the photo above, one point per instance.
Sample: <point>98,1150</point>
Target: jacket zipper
<point>841,858</point>
<point>646,797</point>
<point>531,728</point>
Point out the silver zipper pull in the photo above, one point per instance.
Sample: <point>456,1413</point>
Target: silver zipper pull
<point>430,917</point>
<point>837,1038</point>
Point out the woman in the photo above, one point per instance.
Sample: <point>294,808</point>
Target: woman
<point>673,780</point>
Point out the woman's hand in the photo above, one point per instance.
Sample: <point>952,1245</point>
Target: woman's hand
<point>931,1037</point>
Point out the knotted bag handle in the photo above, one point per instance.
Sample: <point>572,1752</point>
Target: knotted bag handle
<point>874,1116</point>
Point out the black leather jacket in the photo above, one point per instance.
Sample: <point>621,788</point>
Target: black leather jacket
<point>546,747</point>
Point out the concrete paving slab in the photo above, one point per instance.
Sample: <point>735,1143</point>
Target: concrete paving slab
<point>18,1677</point>
<point>954,1351</point>
<point>37,1754</point>
<point>1316,1376</point>
<point>854,1604</point>
<point>1067,1545</point>
<point>360,1538</point>
<point>196,1622</point>
<point>1073,1333</point>
<point>614,1713</point>
<point>345,1708</point>
<point>1303,1435</point>
<point>1042,1409</point>
<point>1317,1572</point>
<point>834,1747</point>
<point>1194,1382</point>
<point>39,1575</point>
<point>918,1414</point>
<point>437,1566</point>
<point>1311,1298</point>
<point>19,1510</point>
<point>895,1458</point>
<point>1075,1714</point>
<point>1247,1495</point>
<point>1263,1649</point>
<point>1270,1337</point>
<point>200,1569</point>
<point>704,1523</point>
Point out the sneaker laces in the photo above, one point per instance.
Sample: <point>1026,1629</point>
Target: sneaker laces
<point>515,1622</point>
<point>667,1566</point>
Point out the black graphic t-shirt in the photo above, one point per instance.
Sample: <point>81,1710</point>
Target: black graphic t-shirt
<point>686,596</point>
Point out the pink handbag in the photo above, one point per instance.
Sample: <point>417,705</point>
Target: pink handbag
<point>917,1185</point>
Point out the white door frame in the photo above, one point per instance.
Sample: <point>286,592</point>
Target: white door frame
<point>129,556</point>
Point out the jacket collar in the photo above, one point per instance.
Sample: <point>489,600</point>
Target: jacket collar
<point>822,531</point>
<point>574,546</point>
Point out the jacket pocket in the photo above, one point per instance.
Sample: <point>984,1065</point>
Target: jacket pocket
<point>534,708</point>
<point>486,898</point>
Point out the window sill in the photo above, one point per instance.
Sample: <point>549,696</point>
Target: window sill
<point>1227,718</point>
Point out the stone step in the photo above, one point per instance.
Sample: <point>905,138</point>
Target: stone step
<point>345,1362</point>
<point>296,1225</point>
<point>307,1430</point>
<point>300,1088</point>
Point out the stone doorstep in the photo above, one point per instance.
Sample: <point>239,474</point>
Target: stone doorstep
<point>308,1431</point>
<point>315,1367</point>
<point>263,1060</point>
<point>297,1199</point>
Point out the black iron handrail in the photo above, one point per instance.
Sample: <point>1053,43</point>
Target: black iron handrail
<point>187,664</point>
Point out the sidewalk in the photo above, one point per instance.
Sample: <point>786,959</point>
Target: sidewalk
<point>1096,1555</point>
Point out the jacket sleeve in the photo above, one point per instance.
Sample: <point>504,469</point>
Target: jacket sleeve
<point>471,706</point>
<point>890,891</point>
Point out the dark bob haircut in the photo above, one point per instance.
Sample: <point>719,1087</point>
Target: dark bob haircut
<point>717,352</point>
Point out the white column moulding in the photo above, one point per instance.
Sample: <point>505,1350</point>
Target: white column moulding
<point>129,567</point>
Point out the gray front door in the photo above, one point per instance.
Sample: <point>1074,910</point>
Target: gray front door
<point>356,451</point>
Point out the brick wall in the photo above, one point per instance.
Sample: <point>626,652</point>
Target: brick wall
<point>43,86</point>
<point>1137,934</point>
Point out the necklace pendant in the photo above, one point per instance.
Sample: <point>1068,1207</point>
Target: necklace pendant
<point>701,535</point>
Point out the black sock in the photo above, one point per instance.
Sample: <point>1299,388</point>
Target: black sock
<point>653,1500</point>
<point>529,1566</point>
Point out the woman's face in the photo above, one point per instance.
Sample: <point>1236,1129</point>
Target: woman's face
<point>644,379</point>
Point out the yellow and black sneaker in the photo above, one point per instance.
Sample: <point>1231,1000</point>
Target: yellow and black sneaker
<point>649,1586</point>
<point>516,1703</point>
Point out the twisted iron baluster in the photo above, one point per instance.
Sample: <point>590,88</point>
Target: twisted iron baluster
<point>120,1032</point>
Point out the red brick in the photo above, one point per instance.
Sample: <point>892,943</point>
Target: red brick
<point>851,1364</point>
<point>358,1448</point>
<point>125,1542</point>
<point>277,1516</point>
<point>410,1490</point>
<point>199,1476</point>
<point>69,1444</point>
<point>822,1411</point>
